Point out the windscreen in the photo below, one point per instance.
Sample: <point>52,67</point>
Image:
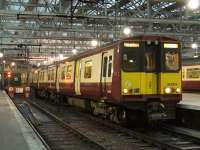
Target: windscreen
<point>171,58</point>
<point>131,56</point>
<point>14,80</point>
<point>150,57</point>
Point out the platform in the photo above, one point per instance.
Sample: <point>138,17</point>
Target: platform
<point>190,101</point>
<point>15,132</point>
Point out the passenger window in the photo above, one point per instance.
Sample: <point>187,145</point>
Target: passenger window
<point>183,74</point>
<point>63,73</point>
<point>88,69</point>
<point>43,76</point>
<point>193,73</point>
<point>49,75</point>
<point>69,72</point>
<point>40,76</point>
<point>52,75</point>
<point>105,60</point>
<point>110,66</point>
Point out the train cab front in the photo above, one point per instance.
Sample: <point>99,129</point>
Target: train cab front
<point>151,77</point>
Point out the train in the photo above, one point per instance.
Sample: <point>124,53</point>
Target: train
<point>136,77</point>
<point>15,83</point>
<point>191,77</point>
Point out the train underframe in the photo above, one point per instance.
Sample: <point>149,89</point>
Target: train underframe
<point>148,111</point>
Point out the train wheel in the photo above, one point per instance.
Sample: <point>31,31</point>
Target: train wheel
<point>93,107</point>
<point>121,116</point>
<point>112,112</point>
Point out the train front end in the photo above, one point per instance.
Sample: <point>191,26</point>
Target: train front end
<point>151,76</point>
<point>16,84</point>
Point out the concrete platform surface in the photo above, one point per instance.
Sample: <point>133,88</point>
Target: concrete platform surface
<point>190,101</point>
<point>15,132</point>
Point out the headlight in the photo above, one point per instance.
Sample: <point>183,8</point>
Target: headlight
<point>168,90</point>
<point>28,89</point>
<point>125,91</point>
<point>10,89</point>
<point>178,90</point>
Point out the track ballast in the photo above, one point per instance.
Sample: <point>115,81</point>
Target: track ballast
<point>111,136</point>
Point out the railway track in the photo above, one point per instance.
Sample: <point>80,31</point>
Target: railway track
<point>115,137</point>
<point>55,133</point>
<point>108,138</point>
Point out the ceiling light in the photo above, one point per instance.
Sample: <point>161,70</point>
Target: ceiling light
<point>4,61</point>
<point>51,59</point>
<point>194,45</point>
<point>74,51</point>
<point>195,56</point>
<point>1,55</point>
<point>94,43</point>
<point>38,64</point>
<point>12,63</point>
<point>61,56</point>
<point>44,61</point>
<point>127,31</point>
<point>193,4</point>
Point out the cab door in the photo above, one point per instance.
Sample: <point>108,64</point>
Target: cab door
<point>57,78</point>
<point>78,77</point>
<point>152,64</point>
<point>106,75</point>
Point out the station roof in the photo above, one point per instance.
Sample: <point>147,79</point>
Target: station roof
<point>41,31</point>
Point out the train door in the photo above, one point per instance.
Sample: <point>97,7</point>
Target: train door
<point>78,77</point>
<point>152,60</point>
<point>106,75</point>
<point>57,78</point>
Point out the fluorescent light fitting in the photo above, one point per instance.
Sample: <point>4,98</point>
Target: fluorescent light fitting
<point>74,51</point>
<point>194,45</point>
<point>94,42</point>
<point>127,31</point>
<point>193,4</point>
<point>1,55</point>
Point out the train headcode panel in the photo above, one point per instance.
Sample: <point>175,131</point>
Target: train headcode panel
<point>135,77</point>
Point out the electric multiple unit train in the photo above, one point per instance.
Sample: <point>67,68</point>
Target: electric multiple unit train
<point>128,78</point>
<point>15,83</point>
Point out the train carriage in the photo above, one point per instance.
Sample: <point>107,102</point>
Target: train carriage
<point>191,77</point>
<point>141,74</point>
<point>66,77</point>
<point>15,83</point>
